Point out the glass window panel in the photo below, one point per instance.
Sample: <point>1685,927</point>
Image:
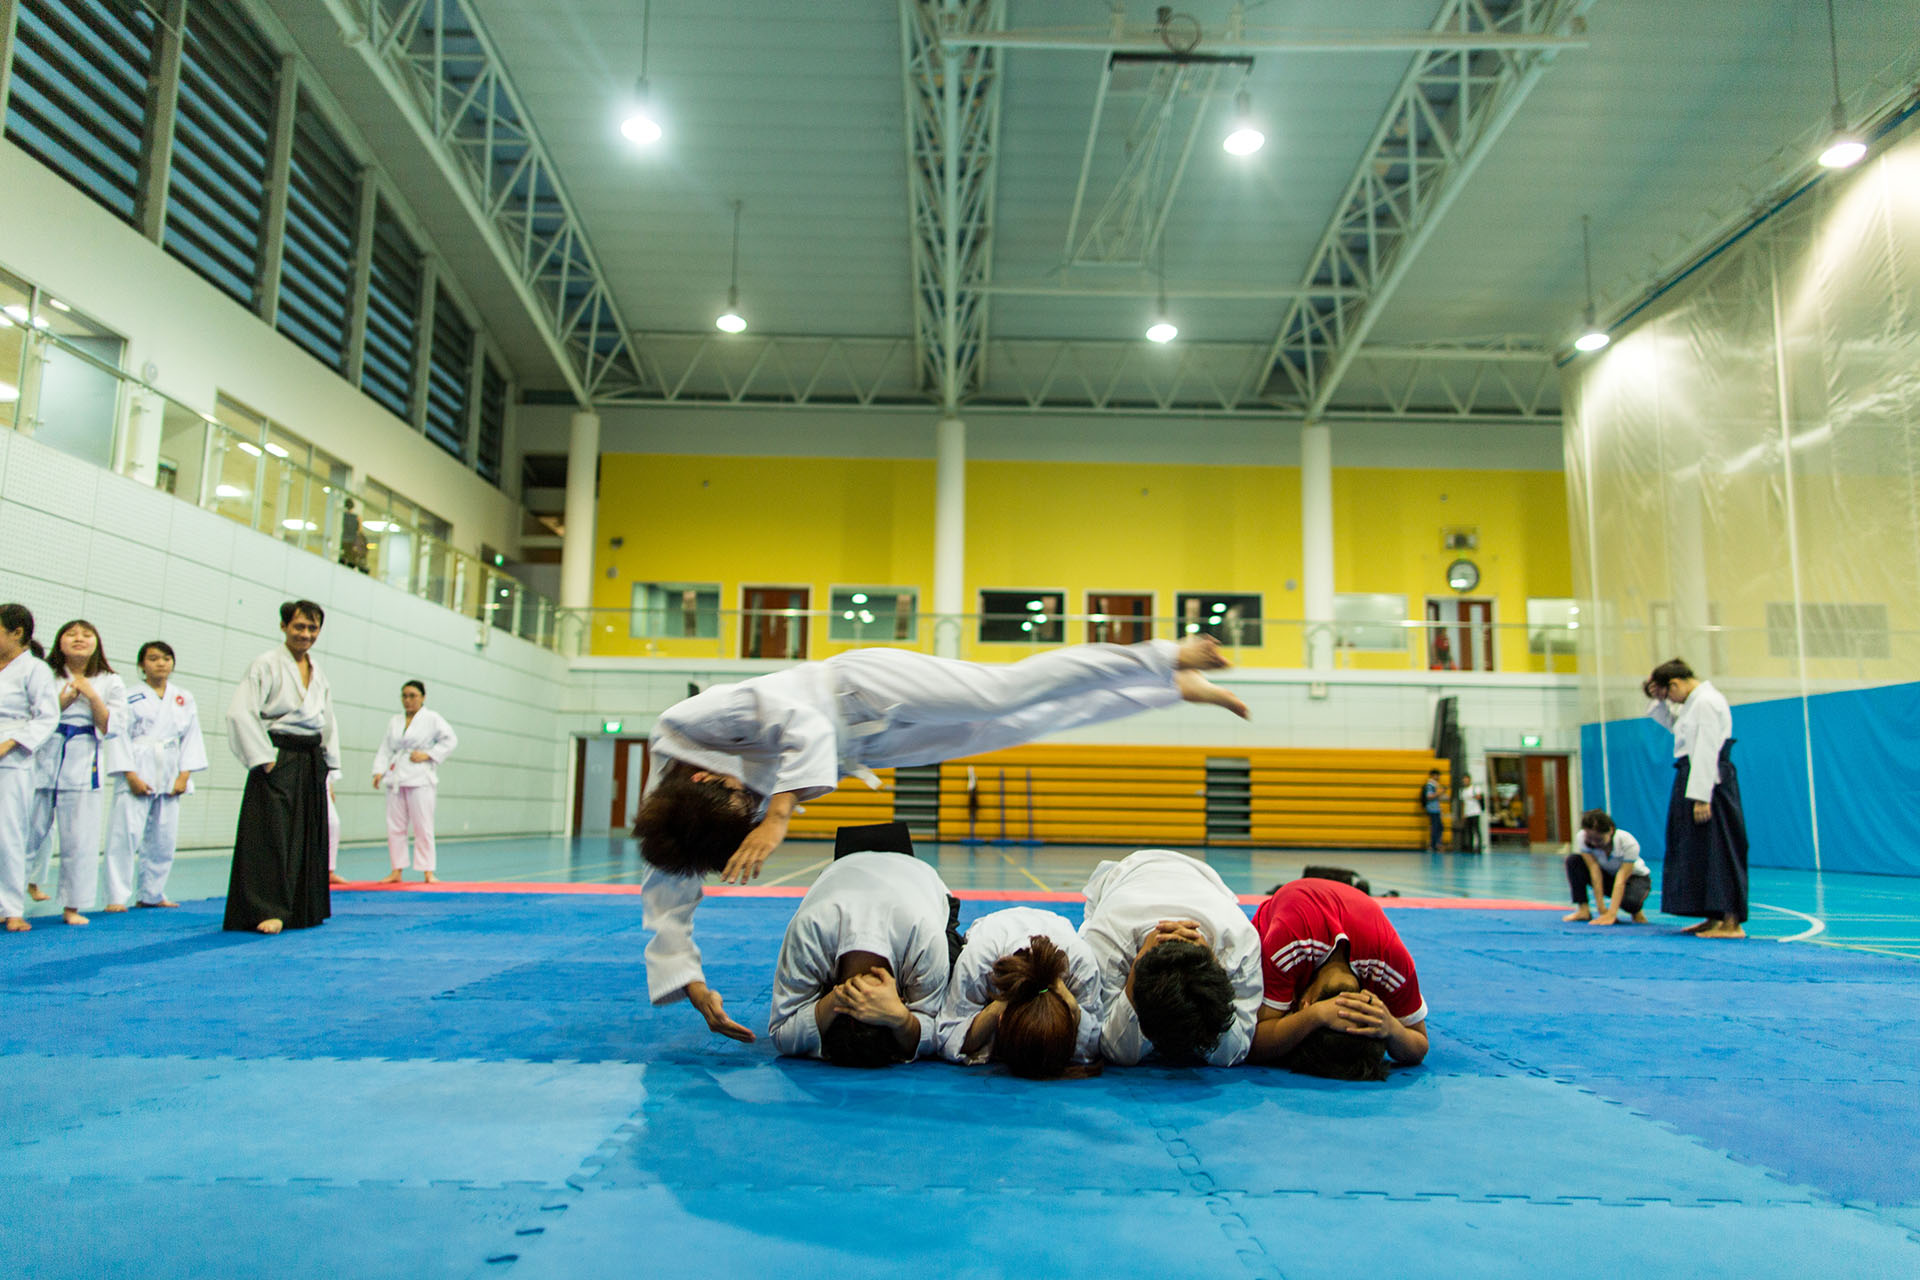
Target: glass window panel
<point>1233,618</point>
<point>663,610</point>
<point>1371,621</point>
<point>1022,616</point>
<point>874,615</point>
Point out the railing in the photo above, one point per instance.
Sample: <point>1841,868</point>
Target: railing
<point>795,634</point>
<point>83,405</point>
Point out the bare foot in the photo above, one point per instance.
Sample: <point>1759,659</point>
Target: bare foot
<point>334,877</point>
<point>1577,914</point>
<point>1723,931</point>
<point>1199,652</point>
<point>16,925</point>
<point>35,892</point>
<point>114,908</point>
<point>269,926</point>
<point>1639,917</point>
<point>164,902</point>
<point>1195,687</point>
<point>72,917</point>
<point>393,877</point>
<point>431,879</point>
<point>1697,928</point>
<point>1606,917</point>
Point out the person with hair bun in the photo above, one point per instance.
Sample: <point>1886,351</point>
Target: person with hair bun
<point>66,775</point>
<point>29,711</point>
<point>1704,872</point>
<point>1025,993</point>
<point>407,766</point>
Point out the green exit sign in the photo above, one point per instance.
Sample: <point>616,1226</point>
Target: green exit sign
<point>613,726</point>
<point>1526,739</point>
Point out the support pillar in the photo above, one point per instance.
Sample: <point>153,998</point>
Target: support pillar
<point>139,447</point>
<point>949,535</point>
<point>583,476</point>
<point>1316,542</point>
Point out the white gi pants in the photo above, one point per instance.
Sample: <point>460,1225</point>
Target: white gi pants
<point>16,822</point>
<point>77,814</point>
<point>410,807</point>
<point>142,832</point>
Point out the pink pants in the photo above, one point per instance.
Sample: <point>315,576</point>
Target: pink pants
<point>410,807</point>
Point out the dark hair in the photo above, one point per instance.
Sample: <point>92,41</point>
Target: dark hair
<point>1596,821</point>
<point>95,665</point>
<point>1433,773</point>
<point>414,684</point>
<point>1669,671</point>
<point>349,504</point>
<point>689,828</point>
<point>161,645</point>
<point>17,617</point>
<point>849,1042</point>
<point>1338,1055</point>
<point>292,609</point>
<point>1038,1028</point>
<point>1183,997</point>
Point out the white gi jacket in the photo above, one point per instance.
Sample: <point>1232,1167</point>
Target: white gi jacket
<point>999,934</point>
<point>270,697</point>
<point>1700,728</point>
<point>163,737</point>
<point>805,728</point>
<point>68,763</point>
<point>29,709</point>
<point>1126,900</point>
<point>887,903</point>
<point>394,762</point>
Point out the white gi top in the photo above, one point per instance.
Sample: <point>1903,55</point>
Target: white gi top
<point>1470,800</point>
<point>270,697</point>
<point>1001,933</point>
<point>430,733</point>
<point>73,758</point>
<point>1625,853</point>
<point>1126,900</point>
<point>1700,728</point>
<point>163,736</point>
<point>805,728</point>
<point>887,903</point>
<point>29,708</point>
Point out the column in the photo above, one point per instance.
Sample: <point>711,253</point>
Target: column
<point>576,550</point>
<point>949,534</point>
<point>1316,541</point>
<point>139,451</point>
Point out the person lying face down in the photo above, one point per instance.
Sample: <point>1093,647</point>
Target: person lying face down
<point>1341,994</point>
<point>1179,961</point>
<point>1026,994</point>
<point>864,963</point>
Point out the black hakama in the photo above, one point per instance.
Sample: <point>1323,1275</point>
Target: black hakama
<point>280,845</point>
<point>1705,872</point>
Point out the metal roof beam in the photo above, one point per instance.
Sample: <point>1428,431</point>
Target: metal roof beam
<point>1146,39</point>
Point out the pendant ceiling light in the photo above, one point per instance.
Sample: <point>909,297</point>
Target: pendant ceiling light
<point>730,320</point>
<point>1844,148</point>
<point>1592,336</point>
<point>641,124</point>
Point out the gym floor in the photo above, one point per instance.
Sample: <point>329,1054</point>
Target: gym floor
<point>470,1083</point>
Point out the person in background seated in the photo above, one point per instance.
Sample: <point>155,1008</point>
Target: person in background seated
<point>864,963</point>
<point>1608,859</point>
<point>1025,993</point>
<point>1341,992</point>
<point>1179,961</point>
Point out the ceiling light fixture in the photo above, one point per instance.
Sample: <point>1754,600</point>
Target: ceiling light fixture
<point>1163,330</point>
<point>1246,138</point>
<point>641,125</point>
<point>1592,336</point>
<point>731,321</point>
<point>1844,148</point>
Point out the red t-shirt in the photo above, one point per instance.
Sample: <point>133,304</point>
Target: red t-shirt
<point>1299,928</point>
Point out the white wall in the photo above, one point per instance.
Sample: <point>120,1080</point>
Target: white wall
<point>204,343</point>
<point>81,542</point>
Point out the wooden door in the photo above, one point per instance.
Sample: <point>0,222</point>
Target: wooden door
<point>767,630</point>
<point>1116,618</point>
<point>1549,803</point>
<point>1474,641</point>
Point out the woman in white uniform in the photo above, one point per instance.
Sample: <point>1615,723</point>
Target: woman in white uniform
<point>66,775</point>
<point>161,752</point>
<point>1025,993</point>
<point>29,710</point>
<point>408,766</point>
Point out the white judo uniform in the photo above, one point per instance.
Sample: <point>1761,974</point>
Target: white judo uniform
<point>412,786</point>
<point>162,742</point>
<point>29,710</point>
<point>67,776</point>
<point>805,728</point>
<point>887,903</point>
<point>1126,900</point>
<point>997,935</point>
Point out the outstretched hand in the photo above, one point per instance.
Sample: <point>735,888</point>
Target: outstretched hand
<point>754,851</point>
<point>707,1001</point>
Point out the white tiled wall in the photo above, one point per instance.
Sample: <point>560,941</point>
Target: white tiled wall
<point>79,542</point>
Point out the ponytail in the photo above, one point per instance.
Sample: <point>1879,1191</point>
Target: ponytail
<point>1038,1028</point>
<point>17,617</point>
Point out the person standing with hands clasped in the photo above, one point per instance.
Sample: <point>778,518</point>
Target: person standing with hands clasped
<point>408,766</point>
<point>1705,870</point>
<point>66,774</point>
<point>162,752</point>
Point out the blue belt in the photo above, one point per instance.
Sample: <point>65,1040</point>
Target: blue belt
<point>68,732</point>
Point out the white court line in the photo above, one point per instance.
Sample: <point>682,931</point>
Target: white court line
<point>1819,925</point>
<point>795,875</point>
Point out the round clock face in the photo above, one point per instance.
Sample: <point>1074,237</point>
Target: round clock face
<point>1463,575</point>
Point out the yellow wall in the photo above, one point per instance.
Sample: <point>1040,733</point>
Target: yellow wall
<point>1077,527</point>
